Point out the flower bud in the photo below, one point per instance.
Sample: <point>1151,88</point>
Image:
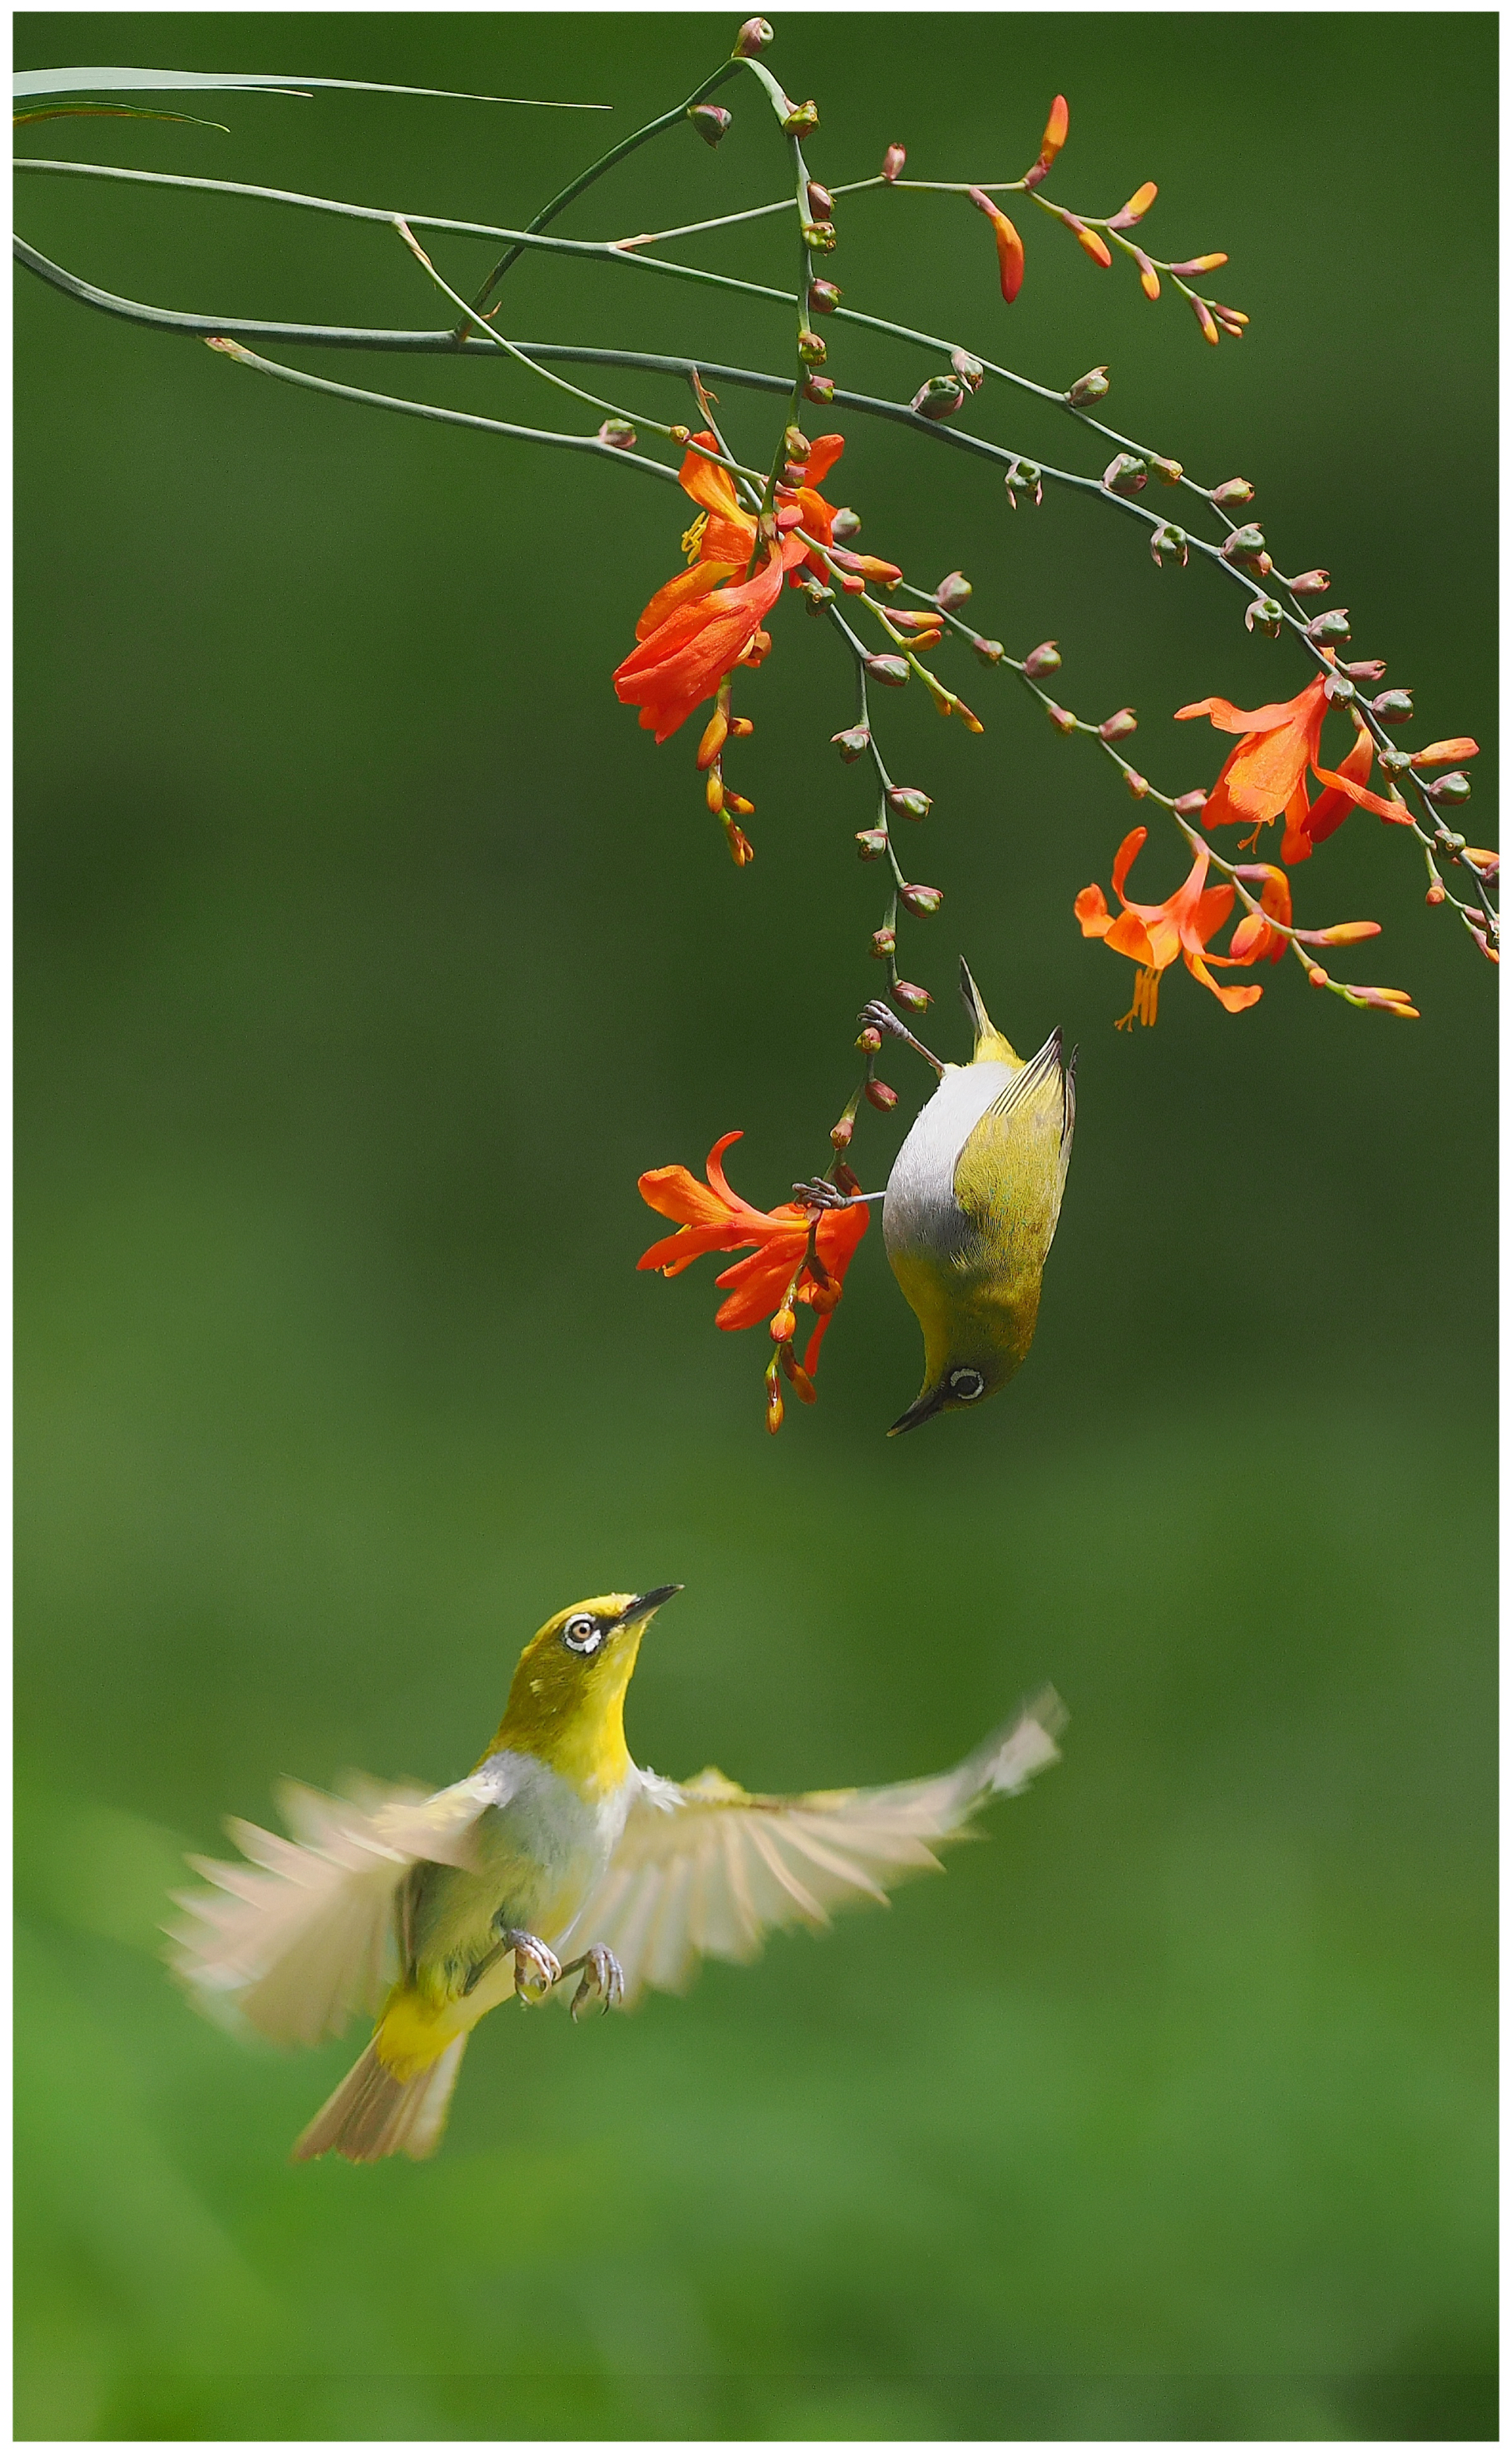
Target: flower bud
<point>1042,660</point>
<point>817,596</point>
<point>821,203</point>
<point>1232,495</point>
<point>912,998</point>
<point>774,1407</point>
<point>1393,707</point>
<point>892,670</point>
<point>1061,717</point>
<point>755,35</point>
<point>924,900</point>
<point>970,370</point>
<point>905,802</point>
<point>1242,545</point>
<point>802,1386</point>
<point>1027,473</point>
<point>1395,1001</point>
<point>1439,754</point>
<point>715,732</point>
<point>846,524</point>
<point>940,397</point>
<point>738,802</point>
<point>893,162</point>
<point>1339,689</point>
<point>1096,248</point>
<point>714,790</point>
<point>712,122</point>
<point>853,743</point>
<point>872,842</point>
<point>1170,473</point>
<point>812,351</point>
<point>1087,388</point>
<point>799,121</point>
<point>1138,206</point>
<point>988,652</point>
<point>883,943</point>
<point>1264,614</point>
<point>823,297</point>
<point>820,389</point>
<point>1309,583</point>
<point>1344,933</point>
<point>1200,264</point>
<point>1170,539</point>
<point>1126,474</point>
<point>822,1298</point>
<point>819,238</point>
<point>741,850</point>
<point>742,727</point>
<point>1190,805</point>
<point>1138,785</point>
<point>796,445</point>
<point>952,591</point>
<point>1119,727</point>
<point>1051,142</point>
<point>1204,316</point>
<point>1370,669</point>
<point>1330,629</point>
<point>1395,762</point>
<point>1437,892</point>
<point>1453,787</point>
<point>619,431</point>
<point>840,1133</point>
<point>869,1040</point>
<point>1316,976</point>
<point>881,1095</point>
<point>783,1325</point>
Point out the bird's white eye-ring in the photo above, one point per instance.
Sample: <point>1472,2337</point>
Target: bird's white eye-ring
<point>583,1633</point>
<point>966,1383</point>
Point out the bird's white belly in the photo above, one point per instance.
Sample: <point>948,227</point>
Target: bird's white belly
<point>920,1212</point>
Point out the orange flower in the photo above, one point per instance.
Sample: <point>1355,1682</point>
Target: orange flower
<point>1264,778</point>
<point>709,619</point>
<point>779,1272</point>
<point>1152,934</point>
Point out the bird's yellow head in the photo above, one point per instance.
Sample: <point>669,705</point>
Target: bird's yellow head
<point>969,1354</point>
<point>567,1700</point>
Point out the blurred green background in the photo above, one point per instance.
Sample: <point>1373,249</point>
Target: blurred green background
<point>368,952</point>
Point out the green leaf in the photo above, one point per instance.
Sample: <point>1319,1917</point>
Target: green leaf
<point>31,83</point>
<point>110,110</point>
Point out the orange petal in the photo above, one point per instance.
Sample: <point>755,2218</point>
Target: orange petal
<point>822,453</point>
<point>1128,936</point>
<point>1394,813</point>
<point>685,589</point>
<point>1091,910</point>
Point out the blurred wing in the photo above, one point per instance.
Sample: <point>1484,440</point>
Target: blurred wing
<point>298,1934</point>
<point>1010,1174</point>
<point>706,1867</point>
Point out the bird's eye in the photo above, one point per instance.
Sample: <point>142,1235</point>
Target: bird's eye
<point>966,1383</point>
<point>583,1633</point>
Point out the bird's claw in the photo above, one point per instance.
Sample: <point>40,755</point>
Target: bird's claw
<point>536,1967</point>
<point>603,1980</point>
<point>878,1017</point>
<point>819,1194</point>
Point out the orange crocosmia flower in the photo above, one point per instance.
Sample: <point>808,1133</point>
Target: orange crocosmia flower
<point>684,661</point>
<point>1265,778</point>
<point>1254,941</point>
<point>709,618</point>
<point>715,1219</point>
<point>1153,935</point>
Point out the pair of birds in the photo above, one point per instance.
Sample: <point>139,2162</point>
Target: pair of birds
<point>429,1911</point>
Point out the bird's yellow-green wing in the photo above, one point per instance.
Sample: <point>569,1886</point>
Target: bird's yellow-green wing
<point>298,1934</point>
<point>704,1867</point>
<point>1010,1171</point>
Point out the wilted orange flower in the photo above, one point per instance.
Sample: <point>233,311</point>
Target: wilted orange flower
<point>1265,778</point>
<point>1152,934</point>
<point>709,618</point>
<point>779,1272</point>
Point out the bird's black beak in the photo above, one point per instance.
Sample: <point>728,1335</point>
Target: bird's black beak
<point>928,1402</point>
<point>643,1604</point>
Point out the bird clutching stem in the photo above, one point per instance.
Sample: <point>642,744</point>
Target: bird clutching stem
<point>428,1911</point>
<point>971,1206</point>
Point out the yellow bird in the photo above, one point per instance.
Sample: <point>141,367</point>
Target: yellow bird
<point>972,1205</point>
<point>430,1911</point>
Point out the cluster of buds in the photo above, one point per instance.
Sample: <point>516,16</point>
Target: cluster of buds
<point>726,804</point>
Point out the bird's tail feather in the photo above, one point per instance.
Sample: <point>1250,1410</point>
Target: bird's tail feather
<point>374,2113</point>
<point>989,1039</point>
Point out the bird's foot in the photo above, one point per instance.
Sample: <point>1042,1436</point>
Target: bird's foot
<point>878,1017</point>
<point>817,1192</point>
<point>536,1967</point>
<point>603,1979</point>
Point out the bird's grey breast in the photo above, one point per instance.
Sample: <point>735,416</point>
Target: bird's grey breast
<point>921,1212</point>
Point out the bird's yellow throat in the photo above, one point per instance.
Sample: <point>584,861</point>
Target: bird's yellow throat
<point>571,1714</point>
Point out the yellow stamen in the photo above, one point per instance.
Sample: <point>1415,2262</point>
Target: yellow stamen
<point>1146,998</point>
<point>693,537</point>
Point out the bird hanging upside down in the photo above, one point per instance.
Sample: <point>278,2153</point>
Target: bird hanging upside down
<point>971,1206</point>
<point>429,1911</point>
